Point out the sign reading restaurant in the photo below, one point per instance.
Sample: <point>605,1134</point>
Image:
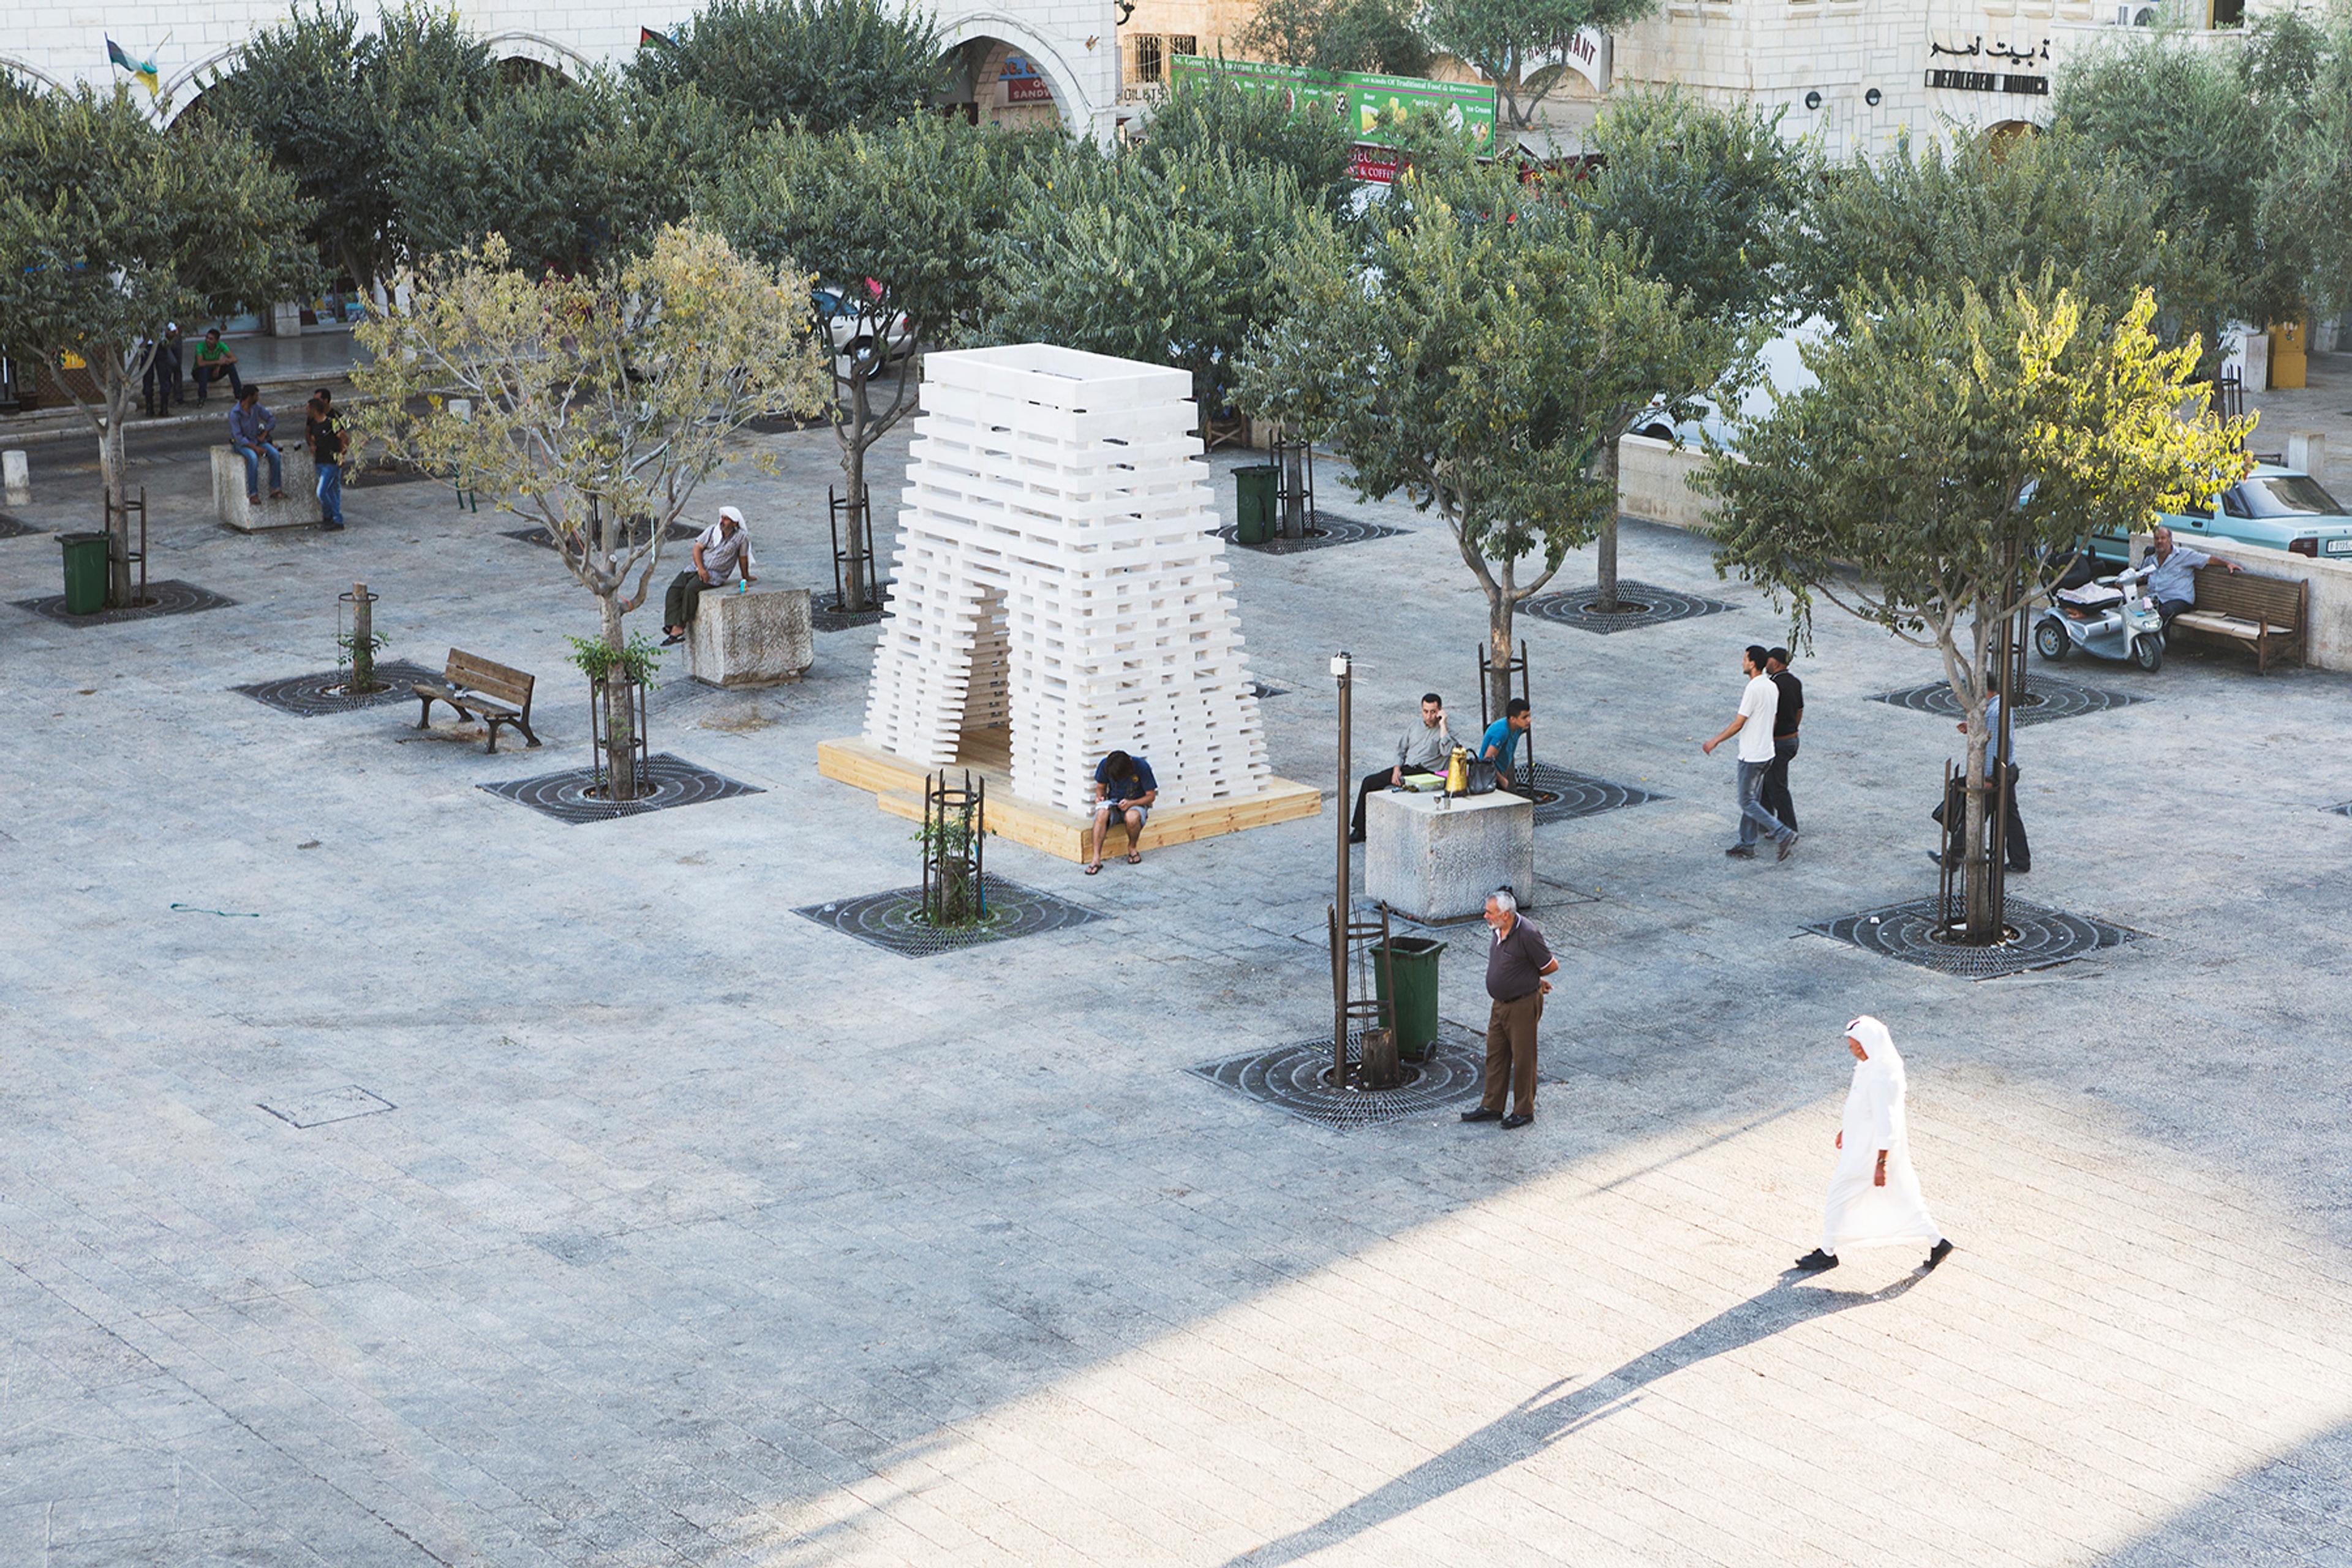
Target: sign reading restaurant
<point>1361,100</point>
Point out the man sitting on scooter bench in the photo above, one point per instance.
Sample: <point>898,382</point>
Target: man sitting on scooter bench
<point>2171,575</point>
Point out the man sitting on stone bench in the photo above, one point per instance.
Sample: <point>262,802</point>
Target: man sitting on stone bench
<point>719,550</point>
<point>250,427</point>
<point>2171,574</point>
<point>1124,789</point>
<point>1424,748</point>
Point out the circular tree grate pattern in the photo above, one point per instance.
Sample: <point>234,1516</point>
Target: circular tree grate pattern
<point>12,527</point>
<point>172,597</point>
<point>1561,793</point>
<point>889,920</point>
<point>1324,529</point>
<point>2039,936</point>
<point>827,615</point>
<point>571,796</point>
<point>2046,699</point>
<point>1638,604</point>
<point>1296,1078</point>
<point>308,696</point>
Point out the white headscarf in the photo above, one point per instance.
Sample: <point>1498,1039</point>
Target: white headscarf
<point>1879,1046</point>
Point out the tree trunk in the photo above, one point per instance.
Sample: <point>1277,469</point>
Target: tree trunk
<point>1502,603</point>
<point>362,641</point>
<point>1983,930</point>
<point>853,471</point>
<point>114,470</point>
<point>620,713</point>
<point>1606,601</point>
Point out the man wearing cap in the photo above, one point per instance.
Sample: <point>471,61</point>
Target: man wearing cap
<point>719,550</point>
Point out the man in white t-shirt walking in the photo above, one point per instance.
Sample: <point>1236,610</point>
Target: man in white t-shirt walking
<point>1758,705</point>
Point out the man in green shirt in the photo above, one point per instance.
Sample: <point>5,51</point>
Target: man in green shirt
<point>214,360</point>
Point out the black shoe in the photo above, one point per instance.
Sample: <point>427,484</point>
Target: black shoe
<point>1355,839</point>
<point>331,528</point>
<point>1943,1250</point>
<point>1742,852</point>
<point>1816,1261</point>
<point>1517,1120</point>
<point>1786,845</point>
<point>1482,1114</point>
<point>673,639</point>
<point>2021,870</point>
<point>1938,859</point>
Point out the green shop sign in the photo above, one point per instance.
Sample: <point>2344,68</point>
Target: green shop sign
<point>1362,101</point>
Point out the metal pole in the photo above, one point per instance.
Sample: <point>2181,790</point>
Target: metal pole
<point>1342,670</point>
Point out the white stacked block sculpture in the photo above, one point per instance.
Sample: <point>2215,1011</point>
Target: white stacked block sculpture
<point>1058,573</point>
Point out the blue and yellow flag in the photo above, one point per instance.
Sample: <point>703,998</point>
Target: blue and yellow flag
<point>144,70</point>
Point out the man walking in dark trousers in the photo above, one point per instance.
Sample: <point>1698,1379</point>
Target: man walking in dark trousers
<point>1517,962</point>
<point>1424,748</point>
<point>1785,720</point>
<point>2000,790</point>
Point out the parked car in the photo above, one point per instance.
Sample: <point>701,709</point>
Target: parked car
<point>2280,508</point>
<point>852,330</point>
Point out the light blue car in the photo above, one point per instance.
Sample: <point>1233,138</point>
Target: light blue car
<point>2279,508</point>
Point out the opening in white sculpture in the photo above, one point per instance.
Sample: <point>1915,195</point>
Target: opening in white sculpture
<point>1060,592</point>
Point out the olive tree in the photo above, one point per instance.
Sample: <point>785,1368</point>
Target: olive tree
<point>821,65</point>
<point>1956,443</point>
<point>598,403</point>
<point>1712,196</point>
<point>895,222</point>
<point>112,227</point>
<point>1474,354</point>
<point>1517,44</point>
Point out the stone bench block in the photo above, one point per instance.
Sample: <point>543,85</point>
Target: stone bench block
<point>1430,862</point>
<point>754,638</point>
<point>299,510</point>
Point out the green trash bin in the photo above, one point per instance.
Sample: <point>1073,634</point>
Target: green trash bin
<point>85,572</point>
<point>1253,493</point>
<point>1413,961</point>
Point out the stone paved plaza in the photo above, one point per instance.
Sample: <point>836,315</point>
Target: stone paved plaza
<point>392,1174</point>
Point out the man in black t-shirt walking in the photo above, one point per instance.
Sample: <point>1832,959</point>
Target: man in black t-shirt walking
<point>1791,714</point>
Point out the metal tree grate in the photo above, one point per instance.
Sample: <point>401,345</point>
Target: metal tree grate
<point>308,696</point>
<point>1324,529</point>
<point>825,613</point>
<point>169,597</point>
<point>344,1104</point>
<point>676,532</point>
<point>2046,699</point>
<point>2039,938</point>
<point>570,796</point>
<point>1562,794</point>
<point>1638,604</point>
<point>1296,1080</point>
<point>892,921</point>
<point>12,527</point>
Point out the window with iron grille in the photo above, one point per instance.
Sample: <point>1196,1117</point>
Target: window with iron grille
<point>1186,44</point>
<point>1151,63</point>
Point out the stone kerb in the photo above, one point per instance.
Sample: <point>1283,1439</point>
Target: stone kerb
<point>299,480</point>
<point>758,637</point>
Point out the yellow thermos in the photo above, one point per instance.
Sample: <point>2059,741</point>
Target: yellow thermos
<point>1458,772</point>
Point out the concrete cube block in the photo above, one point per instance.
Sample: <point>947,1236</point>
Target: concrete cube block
<point>1431,860</point>
<point>757,637</point>
<point>300,482</point>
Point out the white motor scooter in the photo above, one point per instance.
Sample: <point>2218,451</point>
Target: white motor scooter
<point>2106,618</point>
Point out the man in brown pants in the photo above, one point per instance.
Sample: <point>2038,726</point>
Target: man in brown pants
<point>1517,963</point>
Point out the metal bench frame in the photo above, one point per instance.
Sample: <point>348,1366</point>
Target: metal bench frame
<point>465,678</point>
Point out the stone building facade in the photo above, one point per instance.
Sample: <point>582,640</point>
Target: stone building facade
<point>1063,54</point>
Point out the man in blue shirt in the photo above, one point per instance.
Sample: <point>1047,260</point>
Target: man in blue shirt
<point>250,426</point>
<point>1123,786</point>
<point>2171,574</point>
<point>1500,744</point>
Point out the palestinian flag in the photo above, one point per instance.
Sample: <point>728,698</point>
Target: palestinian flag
<point>145,72</point>
<point>647,36</point>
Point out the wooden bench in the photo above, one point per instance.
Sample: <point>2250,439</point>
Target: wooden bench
<point>2264,612</point>
<point>478,689</point>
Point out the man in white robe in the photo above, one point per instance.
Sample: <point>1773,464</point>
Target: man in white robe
<point>1874,1198</point>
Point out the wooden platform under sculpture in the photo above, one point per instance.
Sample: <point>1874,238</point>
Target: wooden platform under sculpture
<point>1060,592</point>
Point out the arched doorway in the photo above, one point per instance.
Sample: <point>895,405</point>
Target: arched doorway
<point>1002,74</point>
<point>2000,137</point>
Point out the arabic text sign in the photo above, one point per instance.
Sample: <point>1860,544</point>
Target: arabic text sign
<point>1361,100</point>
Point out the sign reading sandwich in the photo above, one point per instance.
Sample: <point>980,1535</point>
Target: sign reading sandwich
<point>1362,101</point>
